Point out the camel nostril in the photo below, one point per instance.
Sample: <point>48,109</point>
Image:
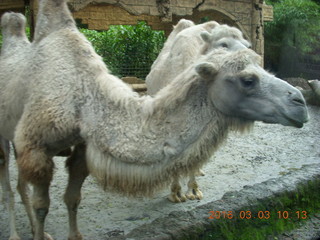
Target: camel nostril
<point>296,98</point>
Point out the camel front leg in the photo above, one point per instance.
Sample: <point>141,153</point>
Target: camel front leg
<point>78,172</point>
<point>8,196</point>
<point>176,194</point>
<point>36,168</point>
<point>193,189</point>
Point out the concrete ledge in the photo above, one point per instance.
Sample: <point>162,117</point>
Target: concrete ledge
<point>265,196</point>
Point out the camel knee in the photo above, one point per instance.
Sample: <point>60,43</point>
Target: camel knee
<point>72,200</point>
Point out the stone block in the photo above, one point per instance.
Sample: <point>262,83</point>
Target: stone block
<point>154,11</point>
<point>243,7</point>
<point>98,8</point>
<point>97,15</point>
<point>267,12</point>
<point>208,5</point>
<point>186,3</point>
<point>247,32</point>
<point>140,9</point>
<point>244,18</point>
<point>180,11</point>
<point>139,2</point>
<point>98,24</point>
<point>228,6</point>
<point>81,14</point>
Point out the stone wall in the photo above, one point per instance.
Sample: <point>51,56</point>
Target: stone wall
<point>12,5</point>
<point>100,17</point>
<point>247,15</point>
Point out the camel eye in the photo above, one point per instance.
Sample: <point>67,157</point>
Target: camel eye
<point>224,45</point>
<point>248,82</point>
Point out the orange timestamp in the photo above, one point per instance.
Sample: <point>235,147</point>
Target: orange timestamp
<point>258,214</point>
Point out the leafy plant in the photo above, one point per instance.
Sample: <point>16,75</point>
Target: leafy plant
<point>127,50</point>
<point>296,27</point>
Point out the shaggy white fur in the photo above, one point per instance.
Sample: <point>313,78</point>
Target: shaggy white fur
<point>56,92</point>
<point>184,46</point>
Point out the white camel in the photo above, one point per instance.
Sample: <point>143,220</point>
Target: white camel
<point>187,43</point>
<point>8,195</point>
<point>14,40</point>
<point>59,93</point>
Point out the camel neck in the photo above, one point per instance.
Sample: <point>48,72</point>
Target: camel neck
<point>131,132</point>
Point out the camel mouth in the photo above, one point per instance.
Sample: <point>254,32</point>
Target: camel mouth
<point>295,123</point>
<point>287,121</point>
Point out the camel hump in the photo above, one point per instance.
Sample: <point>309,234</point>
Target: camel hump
<point>14,35</point>
<point>13,24</point>
<point>53,15</point>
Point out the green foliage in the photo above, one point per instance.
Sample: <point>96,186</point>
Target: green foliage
<point>296,26</point>
<point>127,50</point>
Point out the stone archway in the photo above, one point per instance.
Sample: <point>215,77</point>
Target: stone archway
<point>216,14</point>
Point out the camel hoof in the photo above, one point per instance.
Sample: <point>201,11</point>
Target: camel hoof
<point>15,237</point>
<point>201,173</point>
<point>47,236</point>
<point>77,236</point>
<point>194,194</point>
<point>177,198</point>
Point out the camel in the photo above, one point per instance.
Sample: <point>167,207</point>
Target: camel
<point>181,25</point>
<point>14,39</point>
<point>185,44</point>
<point>59,93</point>
<point>8,197</point>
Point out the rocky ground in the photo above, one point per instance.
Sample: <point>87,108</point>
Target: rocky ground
<point>268,151</point>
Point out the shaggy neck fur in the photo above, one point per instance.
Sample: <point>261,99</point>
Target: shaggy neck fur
<point>138,145</point>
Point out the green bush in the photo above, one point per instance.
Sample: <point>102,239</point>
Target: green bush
<point>127,50</point>
<point>295,28</point>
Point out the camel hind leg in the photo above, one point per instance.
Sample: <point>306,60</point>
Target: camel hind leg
<point>36,168</point>
<point>78,172</point>
<point>8,196</point>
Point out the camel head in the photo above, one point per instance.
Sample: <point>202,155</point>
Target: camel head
<point>224,36</point>
<point>239,87</point>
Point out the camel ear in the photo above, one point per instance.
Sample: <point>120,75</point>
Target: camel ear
<point>205,36</point>
<point>207,70</point>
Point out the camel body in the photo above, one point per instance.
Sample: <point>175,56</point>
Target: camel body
<point>185,45</point>
<point>56,92</point>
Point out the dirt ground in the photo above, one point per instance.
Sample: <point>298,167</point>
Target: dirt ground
<point>268,151</point>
